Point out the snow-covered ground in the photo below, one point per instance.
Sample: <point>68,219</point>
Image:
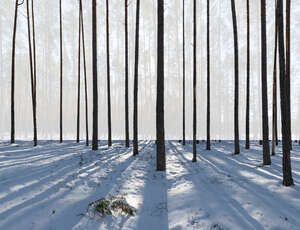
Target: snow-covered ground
<point>49,187</point>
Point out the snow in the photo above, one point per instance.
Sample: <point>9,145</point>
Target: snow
<point>50,187</point>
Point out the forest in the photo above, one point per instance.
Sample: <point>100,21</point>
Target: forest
<point>149,114</point>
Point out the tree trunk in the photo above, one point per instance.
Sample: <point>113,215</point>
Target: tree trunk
<point>31,74</point>
<point>160,124</point>
<point>236,81</point>
<point>135,93</point>
<point>108,76</point>
<point>195,85</point>
<point>288,67</point>
<point>183,73</point>
<point>85,80</point>
<point>34,76</point>
<point>12,132</point>
<point>78,83</point>
<point>126,77</point>
<point>264,84</point>
<point>208,83</point>
<point>274,117</point>
<point>286,156</point>
<point>61,74</point>
<point>248,80</point>
<point>95,83</point>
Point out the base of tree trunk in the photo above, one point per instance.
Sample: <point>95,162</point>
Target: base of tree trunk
<point>288,182</point>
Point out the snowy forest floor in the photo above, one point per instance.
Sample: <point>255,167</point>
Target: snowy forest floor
<point>49,187</point>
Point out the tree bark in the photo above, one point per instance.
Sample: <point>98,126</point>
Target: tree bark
<point>126,77</point>
<point>160,124</point>
<point>236,80</point>
<point>208,83</point>
<point>248,80</point>
<point>135,93</point>
<point>286,158</point>
<point>264,84</point>
<point>108,76</point>
<point>195,85</point>
<point>95,82</point>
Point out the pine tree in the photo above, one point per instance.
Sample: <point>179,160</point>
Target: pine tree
<point>195,85</point>
<point>248,80</point>
<point>78,81</point>
<point>208,83</point>
<point>183,73</point>
<point>126,77</point>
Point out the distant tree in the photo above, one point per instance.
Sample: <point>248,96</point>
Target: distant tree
<point>208,83</point>
<point>248,80</point>
<point>31,74</point>
<point>183,73</point>
<point>195,85</point>
<point>61,75</point>
<point>126,77</point>
<point>79,69</point>
<point>236,81</point>
<point>286,156</point>
<point>34,75</point>
<point>108,75</point>
<point>288,65</point>
<point>136,73</point>
<point>12,131</point>
<point>274,116</point>
<point>85,80</point>
<point>160,124</point>
<point>264,84</point>
<point>95,83</point>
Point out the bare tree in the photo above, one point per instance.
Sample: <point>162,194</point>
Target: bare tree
<point>248,80</point>
<point>195,85</point>
<point>160,124</point>
<point>108,75</point>
<point>183,72</point>
<point>286,155</point>
<point>61,75</point>
<point>34,75</point>
<point>208,83</point>
<point>126,77</point>
<point>95,82</point>
<point>236,81</point>
<point>79,69</point>
<point>136,73</point>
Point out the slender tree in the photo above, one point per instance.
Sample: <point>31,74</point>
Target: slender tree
<point>208,83</point>
<point>248,80</point>
<point>195,85</point>
<point>34,75</point>
<point>135,92</point>
<point>108,75</point>
<point>264,84</point>
<point>160,124</point>
<point>286,156</point>
<point>183,72</point>
<point>274,114</point>
<point>12,132</point>
<point>61,75</point>
<point>95,83</point>
<point>79,69</point>
<point>236,80</point>
<point>85,80</point>
<point>31,72</point>
<point>126,77</point>
<point>288,66</point>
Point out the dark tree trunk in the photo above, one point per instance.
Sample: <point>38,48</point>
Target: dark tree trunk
<point>135,92</point>
<point>195,85</point>
<point>34,75</point>
<point>108,75</point>
<point>236,81</point>
<point>183,73</point>
<point>31,74</point>
<point>288,67</point>
<point>264,84</point>
<point>95,83</point>
<point>126,77</point>
<point>160,124</point>
<point>12,132</point>
<point>274,116</point>
<point>286,156</point>
<point>85,80</point>
<point>61,75</point>
<point>208,84</point>
<point>78,82</point>
<point>248,80</point>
